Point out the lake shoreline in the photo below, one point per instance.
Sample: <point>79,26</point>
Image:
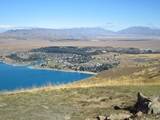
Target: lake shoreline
<point>61,70</point>
<point>40,68</point>
<point>46,77</point>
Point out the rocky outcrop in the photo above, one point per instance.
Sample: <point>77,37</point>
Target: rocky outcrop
<point>147,105</point>
<point>144,105</point>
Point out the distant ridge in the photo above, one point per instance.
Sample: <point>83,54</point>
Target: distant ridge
<point>140,31</point>
<point>43,33</point>
<point>79,33</point>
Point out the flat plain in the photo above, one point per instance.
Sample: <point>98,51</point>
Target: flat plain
<point>11,44</point>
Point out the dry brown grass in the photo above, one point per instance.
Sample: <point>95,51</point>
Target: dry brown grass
<point>13,44</point>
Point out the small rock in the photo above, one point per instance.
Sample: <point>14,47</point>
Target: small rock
<point>103,100</point>
<point>139,114</point>
<point>103,118</point>
<point>67,117</point>
<point>45,107</point>
<point>100,117</point>
<point>117,107</point>
<point>119,116</point>
<point>3,105</point>
<point>127,119</point>
<point>110,98</point>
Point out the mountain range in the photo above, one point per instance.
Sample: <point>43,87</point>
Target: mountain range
<point>79,33</point>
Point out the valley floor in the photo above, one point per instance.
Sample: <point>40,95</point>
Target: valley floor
<point>13,44</point>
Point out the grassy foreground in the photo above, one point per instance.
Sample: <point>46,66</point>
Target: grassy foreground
<point>86,99</point>
<point>70,104</point>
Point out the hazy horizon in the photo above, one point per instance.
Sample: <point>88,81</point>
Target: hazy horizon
<point>109,14</point>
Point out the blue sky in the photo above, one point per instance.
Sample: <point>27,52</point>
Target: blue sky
<point>110,14</point>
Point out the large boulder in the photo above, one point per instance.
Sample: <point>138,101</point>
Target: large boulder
<point>147,105</point>
<point>154,107</point>
<point>144,105</point>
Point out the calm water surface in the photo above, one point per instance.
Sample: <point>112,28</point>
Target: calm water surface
<point>17,77</point>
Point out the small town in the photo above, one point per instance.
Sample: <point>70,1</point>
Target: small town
<point>88,59</point>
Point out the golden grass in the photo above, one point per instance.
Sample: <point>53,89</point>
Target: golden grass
<point>123,81</point>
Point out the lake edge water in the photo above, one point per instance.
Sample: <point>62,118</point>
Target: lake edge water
<point>45,69</point>
<point>40,68</point>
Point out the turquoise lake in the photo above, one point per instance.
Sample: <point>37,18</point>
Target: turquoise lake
<point>17,77</point>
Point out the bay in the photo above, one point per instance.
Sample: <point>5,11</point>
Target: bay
<point>22,77</point>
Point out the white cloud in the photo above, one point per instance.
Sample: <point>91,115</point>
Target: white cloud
<point>6,26</point>
<point>110,24</point>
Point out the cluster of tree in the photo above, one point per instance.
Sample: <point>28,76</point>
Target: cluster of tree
<point>131,50</point>
<point>71,50</point>
<point>98,68</point>
<point>93,50</point>
<point>15,57</point>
